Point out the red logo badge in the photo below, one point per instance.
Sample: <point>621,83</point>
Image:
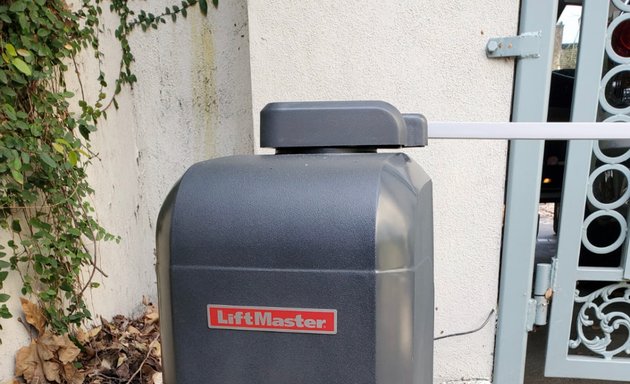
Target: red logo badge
<point>273,319</point>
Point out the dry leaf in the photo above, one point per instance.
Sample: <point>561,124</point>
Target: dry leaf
<point>92,333</point>
<point>47,345</point>
<point>156,378</point>
<point>151,317</point>
<point>34,315</point>
<point>72,374</point>
<point>123,371</point>
<point>106,364</point>
<point>28,365</point>
<point>140,346</point>
<point>68,352</point>
<point>81,336</point>
<point>51,371</point>
<point>121,359</point>
<point>157,349</point>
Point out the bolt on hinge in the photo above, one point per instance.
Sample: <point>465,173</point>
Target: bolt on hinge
<point>525,45</point>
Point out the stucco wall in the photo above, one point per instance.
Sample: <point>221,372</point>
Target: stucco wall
<point>192,102</point>
<point>425,57</point>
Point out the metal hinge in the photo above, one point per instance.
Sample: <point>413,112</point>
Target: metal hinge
<point>525,45</point>
<point>544,286</point>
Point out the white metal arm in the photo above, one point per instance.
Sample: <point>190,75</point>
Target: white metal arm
<point>528,131</point>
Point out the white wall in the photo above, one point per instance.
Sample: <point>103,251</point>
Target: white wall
<point>192,102</point>
<point>425,57</point>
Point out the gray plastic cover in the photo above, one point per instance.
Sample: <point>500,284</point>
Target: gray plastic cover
<point>317,124</point>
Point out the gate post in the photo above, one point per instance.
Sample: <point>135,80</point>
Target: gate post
<point>531,94</point>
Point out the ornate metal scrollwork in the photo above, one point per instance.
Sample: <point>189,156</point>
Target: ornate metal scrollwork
<point>607,321</point>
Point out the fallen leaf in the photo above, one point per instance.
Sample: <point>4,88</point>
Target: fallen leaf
<point>92,333</point>
<point>82,336</point>
<point>123,371</point>
<point>72,374</point>
<point>157,349</point>
<point>152,317</point>
<point>51,371</point>
<point>68,351</point>
<point>28,365</point>
<point>140,346</point>
<point>156,378</point>
<point>106,364</point>
<point>34,315</point>
<point>47,345</point>
<point>121,359</point>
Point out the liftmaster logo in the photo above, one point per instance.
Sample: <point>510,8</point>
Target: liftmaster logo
<point>273,319</point>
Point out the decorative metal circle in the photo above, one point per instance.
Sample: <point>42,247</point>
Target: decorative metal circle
<point>612,159</point>
<point>602,90</point>
<point>622,5</point>
<point>609,39</point>
<point>619,118</point>
<point>591,181</point>
<point>623,228</point>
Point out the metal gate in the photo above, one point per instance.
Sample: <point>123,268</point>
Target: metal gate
<point>589,326</point>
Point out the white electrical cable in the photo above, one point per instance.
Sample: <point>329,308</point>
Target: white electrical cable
<point>528,131</point>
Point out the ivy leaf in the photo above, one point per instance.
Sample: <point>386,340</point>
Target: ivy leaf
<point>48,160</point>
<point>215,3</point>
<point>62,140</point>
<point>4,297</point>
<point>73,158</point>
<point>203,6</point>
<point>23,52</point>
<point>17,164</point>
<point>4,312</point>
<point>10,49</point>
<point>18,6</point>
<point>9,111</point>
<point>22,66</point>
<point>8,91</point>
<point>17,175</point>
<point>59,148</point>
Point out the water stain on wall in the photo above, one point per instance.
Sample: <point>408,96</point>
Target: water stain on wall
<point>204,90</point>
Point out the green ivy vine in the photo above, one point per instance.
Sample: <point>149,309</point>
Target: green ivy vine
<point>45,147</point>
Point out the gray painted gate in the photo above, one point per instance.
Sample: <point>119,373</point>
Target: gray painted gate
<point>589,326</point>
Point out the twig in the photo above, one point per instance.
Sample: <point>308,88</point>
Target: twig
<point>145,359</point>
<point>468,332</point>
<point>76,70</point>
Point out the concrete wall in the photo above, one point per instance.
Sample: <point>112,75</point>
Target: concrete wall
<point>192,102</point>
<point>426,57</point>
